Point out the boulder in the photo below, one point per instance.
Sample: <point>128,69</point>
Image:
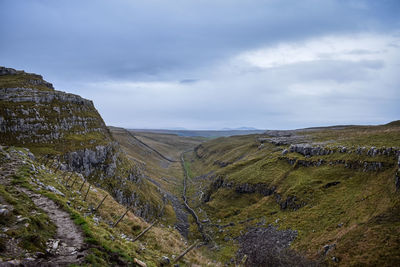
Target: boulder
<point>165,261</point>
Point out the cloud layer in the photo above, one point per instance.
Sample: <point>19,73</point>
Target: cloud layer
<point>214,64</point>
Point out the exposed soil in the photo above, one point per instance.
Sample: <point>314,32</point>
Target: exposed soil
<point>68,245</point>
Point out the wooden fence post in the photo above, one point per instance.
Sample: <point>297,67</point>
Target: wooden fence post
<point>63,175</point>
<point>115,224</point>
<point>101,202</point>
<point>144,231</point>
<point>84,181</point>
<point>73,183</point>
<point>87,192</point>
<point>58,165</point>
<point>69,178</point>
<point>186,251</point>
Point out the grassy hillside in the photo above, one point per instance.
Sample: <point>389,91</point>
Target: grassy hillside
<point>170,145</point>
<point>159,157</point>
<point>145,149</point>
<point>26,228</point>
<point>344,205</point>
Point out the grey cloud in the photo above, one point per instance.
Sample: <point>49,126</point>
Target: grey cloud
<point>188,44</point>
<point>337,70</point>
<point>363,52</point>
<point>152,39</point>
<point>189,81</point>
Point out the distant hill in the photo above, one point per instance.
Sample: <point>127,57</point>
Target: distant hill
<point>393,123</point>
<point>240,129</point>
<point>202,133</point>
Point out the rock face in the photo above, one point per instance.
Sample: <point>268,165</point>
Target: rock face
<point>68,128</point>
<point>350,164</point>
<point>12,77</point>
<point>221,164</point>
<point>290,203</point>
<point>86,161</point>
<point>29,115</point>
<point>308,150</point>
<point>7,71</point>
<point>61,122</point>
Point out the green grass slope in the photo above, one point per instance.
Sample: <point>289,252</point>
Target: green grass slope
<point>341,209</point>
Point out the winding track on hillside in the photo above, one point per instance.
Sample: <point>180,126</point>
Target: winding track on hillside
<point>68,244</point>
<point>69,238</point>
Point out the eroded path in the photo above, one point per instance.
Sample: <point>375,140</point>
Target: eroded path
<point>67,247</point>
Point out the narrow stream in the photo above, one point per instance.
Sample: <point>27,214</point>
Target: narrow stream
<point>205,237</point>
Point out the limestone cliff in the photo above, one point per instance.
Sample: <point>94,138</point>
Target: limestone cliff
<point>68,128</point>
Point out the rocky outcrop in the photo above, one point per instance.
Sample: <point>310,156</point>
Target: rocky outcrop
<point>330,184</point>
<point>283,140</point>
<point>290,203</point>
<point>18,95</point>
<point>351,164</point>
<point>142,209</point>
<point>33,116</point>
<point>25,79</point>
<point>67,129</point>
<point>262,189</point>
<point>88,161</point>
<point>198,151</point>
<point>67,125</point>
<point>300,144</point>
<point>7,71</point>
<point>221,164</point>
<point>309,150</point>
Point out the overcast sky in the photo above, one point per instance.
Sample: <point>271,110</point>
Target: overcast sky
<point>210,64</point>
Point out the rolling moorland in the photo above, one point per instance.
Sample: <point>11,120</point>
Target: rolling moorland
<point>76,192</point>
